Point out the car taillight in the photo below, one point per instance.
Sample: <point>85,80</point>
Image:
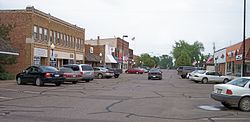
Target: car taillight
<point>81,73</point>
<point>229,92</point>
<point>47,75</point>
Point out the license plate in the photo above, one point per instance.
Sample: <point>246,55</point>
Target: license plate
<point>154,76</point>
<point>219,91</point>
<point>56,75</point>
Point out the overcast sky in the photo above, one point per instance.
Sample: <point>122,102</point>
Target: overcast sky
<point>155,24</point>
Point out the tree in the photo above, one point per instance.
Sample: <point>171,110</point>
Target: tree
<point>193,51</point>
<point>183,60</point>
<point>146,60</point>
<point>166,61</point>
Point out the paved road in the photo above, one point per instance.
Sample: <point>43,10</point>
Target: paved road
<point>129,98</point>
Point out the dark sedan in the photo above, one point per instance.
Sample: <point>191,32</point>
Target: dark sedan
<point>154,74</point>
<point>40,75</point>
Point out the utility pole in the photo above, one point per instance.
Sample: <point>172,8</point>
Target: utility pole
<point>244,40</point>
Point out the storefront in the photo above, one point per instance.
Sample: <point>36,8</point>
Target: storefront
<point>220,61</point>
<point>40,56</point>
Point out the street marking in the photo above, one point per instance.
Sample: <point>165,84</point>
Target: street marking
<point>32,92</point>
<point>7,98</point>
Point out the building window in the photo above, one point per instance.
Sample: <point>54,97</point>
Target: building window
<point>81,44</point>
<point>78,44</point>
<point>91,50</point>
<point>248,68</point>
<point>70,41</point>
<point>50,35</point>
<point>73,42</point>
<point>61,39</point>
<point>229,67</point>
<point>58,37</point>
<point>54,39</point>
<point>40,33</point>
<point>64,39</point>
<point>67,40</point>
<point>35,32</point>
<point>45,34</point>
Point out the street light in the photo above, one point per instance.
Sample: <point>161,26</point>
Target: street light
<point>100,54</point>
<point>244,40</point>
<point>52,47</point>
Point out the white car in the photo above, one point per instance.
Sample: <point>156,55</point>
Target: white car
<point>210,76</point>
<point>235,93</point>
<point>192,74</point>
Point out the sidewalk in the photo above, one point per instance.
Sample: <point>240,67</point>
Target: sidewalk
<point>7,81</point>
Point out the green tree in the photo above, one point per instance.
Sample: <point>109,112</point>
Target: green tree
<point>156,60</point>
<point>193,51</point>
<point>146,60</point>
<point>183,60</point>
<point>166,61</point>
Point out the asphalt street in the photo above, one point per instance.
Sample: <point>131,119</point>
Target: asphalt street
<point>129,98</point>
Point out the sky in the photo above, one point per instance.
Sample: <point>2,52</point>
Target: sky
<point>155,24</point>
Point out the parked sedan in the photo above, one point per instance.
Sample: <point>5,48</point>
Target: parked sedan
<point>101,72</point>
<point>70,75</point>
<point>40,75</point>
<point>135,71</point>
<point>235,93</point>
<point>154,74</point>
<point>210,76</point>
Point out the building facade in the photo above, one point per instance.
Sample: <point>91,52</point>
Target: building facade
<point>35,32</point>
<point>94,55</point>
<point>116,51</point>
<point>220,60</point>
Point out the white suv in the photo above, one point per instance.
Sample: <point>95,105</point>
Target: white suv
<point>85,71</point>
<point>234,93</point>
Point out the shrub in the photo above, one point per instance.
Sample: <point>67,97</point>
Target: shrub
<point>6,76</point>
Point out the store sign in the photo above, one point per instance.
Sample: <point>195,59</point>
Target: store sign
<point>238,57</point>
<point>40,52</point>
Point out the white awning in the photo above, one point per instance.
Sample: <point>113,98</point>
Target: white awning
<point>109,59</point>
<point>8,53</point>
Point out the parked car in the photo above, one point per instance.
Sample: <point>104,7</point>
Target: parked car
<point>40,75</point>
<point>85,71</point>
<point>235,93</point>
<point>117,71</point>
<point>70,75</point>
<point>192,74</point>
<point>135,71</point>
<point>101,72</point>
<point>154,74</point>
<point>145,70</point>
<point>184,70</point>
<point>210,76</point>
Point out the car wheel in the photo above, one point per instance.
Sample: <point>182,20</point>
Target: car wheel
<point>183,76</point>
<point>204,80</point>
<point>226,104</point>
<point>19,81</point>
<point>100,76</point>
<point>74,82</point>
<point>244,104</point>
<point>39,82</point>
<point>137,72</point>
<point>225,80</point>
<point>149,78</point>
<point>87,81</point>
<point>116,76</point>
<point>58,83</point>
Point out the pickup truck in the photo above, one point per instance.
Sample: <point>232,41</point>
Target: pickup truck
<point>116,71</point>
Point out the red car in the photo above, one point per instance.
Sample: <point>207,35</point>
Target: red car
<point>135,71</point>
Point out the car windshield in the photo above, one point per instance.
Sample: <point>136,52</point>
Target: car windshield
<point>239,82</point>
<point>48,69</point>
<point>200,71</point>
<point>154,70</point>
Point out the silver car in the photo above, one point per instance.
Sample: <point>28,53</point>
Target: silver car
<point>101,72</point>
<point>210,76</point>
<point>85,71</point>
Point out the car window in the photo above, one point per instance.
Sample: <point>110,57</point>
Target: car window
<point>96,69</point>
<point>86,68</point>
<point>73,67</point>
<point>66,70</point>
<point>216,73</point>
<point>239,82</point>
<point>201,71</point>
<point>48,69</point>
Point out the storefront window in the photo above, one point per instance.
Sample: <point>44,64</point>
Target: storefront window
<point>229,67</point>
<point>248,67</point>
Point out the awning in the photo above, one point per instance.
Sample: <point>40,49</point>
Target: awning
<point>6,48</point>
<point>92,58</point>
<point>109,59</point>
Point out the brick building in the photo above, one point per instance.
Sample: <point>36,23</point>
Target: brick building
<point>33,34</point>
<point>116,51</point>
<point>94,54</point>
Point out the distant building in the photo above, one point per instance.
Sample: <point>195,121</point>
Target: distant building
<point>116,51</point>
<point>33,34</point>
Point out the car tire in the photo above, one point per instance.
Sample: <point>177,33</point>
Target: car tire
<point>183,76</point>
<point>116,75</point>
<point>225,80</point>
<point>39,82</point>
<point>226,105</point>
<point>87,81</point>
<point>74,82</point>
<point>244,104</point>
<point>149,78</point>
<point>19,81</point>
<point>204,80</point>
<point>57,83</point>
<point>100,76</point>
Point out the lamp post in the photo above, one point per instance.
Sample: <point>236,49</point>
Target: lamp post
<point>124,36</point>
<point>244,40</point>
<point>52,47</point>
<point>100,54</point>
